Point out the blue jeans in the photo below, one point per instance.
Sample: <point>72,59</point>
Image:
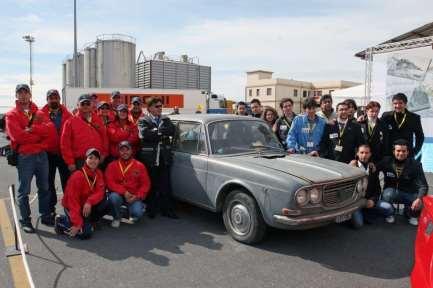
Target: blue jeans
<point>380,209</point>
<point>65,224</point>
<point>392,195</point>
<point>136,208</point>
<point>29,165</point>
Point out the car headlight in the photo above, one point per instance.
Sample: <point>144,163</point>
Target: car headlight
<point>315,196</point>
<point>361,186</point>
<point>301,197</point>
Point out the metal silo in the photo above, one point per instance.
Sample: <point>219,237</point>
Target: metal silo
<point>89,67</point>
<point>80,70</point>
<point>64,74</point>
<point>115,64</point>
<point>69,73</point>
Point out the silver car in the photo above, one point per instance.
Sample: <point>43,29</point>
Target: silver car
<point>235,165</point>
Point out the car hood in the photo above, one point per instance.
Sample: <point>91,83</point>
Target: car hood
<point>307,168</point>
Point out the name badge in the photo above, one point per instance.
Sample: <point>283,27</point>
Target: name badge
<point>390,174</point>
<point>283,127</point>
<point>339,148</point>
<point>310,144</point>
<point>333,135</point>
<point>389,127</point>
<point>362,129</point>
<point>306,130</point>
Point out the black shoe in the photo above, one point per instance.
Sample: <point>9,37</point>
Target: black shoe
<point>170,214</point>
<point>48,220</point>
<point>28,227</point>
<point>58,227</point>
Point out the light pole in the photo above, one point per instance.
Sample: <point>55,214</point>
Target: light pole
<point>76,83</point>
<point>30,39</point>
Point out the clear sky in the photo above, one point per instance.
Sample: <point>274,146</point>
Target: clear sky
<point>304,40</point>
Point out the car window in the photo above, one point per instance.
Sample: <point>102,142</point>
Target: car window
<point>190,138</point>
<point>240,136</point>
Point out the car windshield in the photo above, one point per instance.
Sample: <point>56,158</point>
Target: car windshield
<point>242,136</point>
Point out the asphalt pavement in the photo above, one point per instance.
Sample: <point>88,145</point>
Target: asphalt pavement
<point>195,251</point>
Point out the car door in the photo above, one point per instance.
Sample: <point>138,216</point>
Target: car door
<point>189,169</point>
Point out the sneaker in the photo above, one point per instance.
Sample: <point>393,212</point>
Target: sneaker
<point>115,223</point>
<point>28,227</point>
<point>133,220</point>
<point>48,220</point>
<point>390,219</point>
<point>58,226</point>
<point>413,221</point>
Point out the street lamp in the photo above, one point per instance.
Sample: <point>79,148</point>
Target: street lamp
<point>75,58</point>
<point>30,39</point>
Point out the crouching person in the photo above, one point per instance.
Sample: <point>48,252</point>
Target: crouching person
<point>128,183</point>
<point>84,200</point>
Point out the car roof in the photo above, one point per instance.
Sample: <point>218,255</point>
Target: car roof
<point>207,118</point>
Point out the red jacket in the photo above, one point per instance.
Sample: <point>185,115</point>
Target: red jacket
<point>116,134</point>
<point>134,119</point>
<point>78,192</point>
<point>30,142</point>
<point>54,146</point>
<point>78,136</point>
<point>136,179</point>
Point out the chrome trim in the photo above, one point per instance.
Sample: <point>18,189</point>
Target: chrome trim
<point>324,217</point>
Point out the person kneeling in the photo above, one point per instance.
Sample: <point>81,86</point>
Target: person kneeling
<point>128,183</point>
<point>84,200</point>
<point>375,207</point>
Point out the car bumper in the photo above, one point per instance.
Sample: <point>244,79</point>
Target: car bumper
<point>325,217</point>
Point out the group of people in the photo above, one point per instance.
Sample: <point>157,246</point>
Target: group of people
<point>109,157</point>
<point>390,144</point>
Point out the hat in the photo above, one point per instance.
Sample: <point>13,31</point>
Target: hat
<point>52,92</point>
<point>84,97</point>
<point>122,107</point>
<point>102,103</point>
<point>136,100</point>
<point>115,94</point>
<point>124,144</point>
<point>93,96</point>
<point>22,86</point>
<point>93,151</point>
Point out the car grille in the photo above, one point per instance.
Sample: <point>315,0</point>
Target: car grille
<point>336,193</point>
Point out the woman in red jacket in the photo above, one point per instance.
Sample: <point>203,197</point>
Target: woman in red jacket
<point>85,200</point>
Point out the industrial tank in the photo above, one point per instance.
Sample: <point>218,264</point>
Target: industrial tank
<point>69,71</point>
<point>89,67</point>
<point>115,64</point>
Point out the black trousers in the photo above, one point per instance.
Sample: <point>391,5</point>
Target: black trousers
<point>160,198</point>
<point>55,161</point>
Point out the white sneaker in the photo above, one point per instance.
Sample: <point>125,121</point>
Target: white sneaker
<point>390,219</point>
<point>115,223</point>
<point>413,221</point>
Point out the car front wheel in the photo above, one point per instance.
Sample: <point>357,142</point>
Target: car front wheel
<point>242,218</point>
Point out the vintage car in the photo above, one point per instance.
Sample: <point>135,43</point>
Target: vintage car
<point>422,273</point>
<point>235,165</point>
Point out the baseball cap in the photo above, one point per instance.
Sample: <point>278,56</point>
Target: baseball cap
<point>93,151</point>
<point>124,144</point>
<point>84,97</point>
<point>93,96</point>
<point>52,92</point>
<point>22,86</point>
<point>102,103</point>
<point>122,107</point>
<point>115,94</point>
<point>136,100</point>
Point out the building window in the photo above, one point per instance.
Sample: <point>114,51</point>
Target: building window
<point>250,92</point>
<point>268,91</point>
<point>295,93</point>
<point>257,92</point>
<point>304,93</point>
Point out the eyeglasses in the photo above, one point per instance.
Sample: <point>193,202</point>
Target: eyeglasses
<point>85,103</point>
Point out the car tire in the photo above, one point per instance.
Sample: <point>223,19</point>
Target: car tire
<point>242,218</point>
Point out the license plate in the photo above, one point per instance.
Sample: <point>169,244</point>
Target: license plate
<point>342,218</point>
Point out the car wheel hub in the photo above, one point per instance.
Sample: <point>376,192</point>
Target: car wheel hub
<point>240,219</point>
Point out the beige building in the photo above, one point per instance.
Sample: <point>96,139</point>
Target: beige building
<point>270,91</point>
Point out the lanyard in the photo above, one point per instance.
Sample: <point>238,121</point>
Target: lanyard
<point>402,121</point>
<point>126,169</point>
<point>398,169</point>
<point>287,123</point>
<point>91,185</point>
<point>370,128</point>
<point>341,132</point>
<point>28,114</point>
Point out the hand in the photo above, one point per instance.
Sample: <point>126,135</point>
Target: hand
<point>73,231</point>
<point>370,204</point>
<point>416,205</point>
<point>87,208</point>
<point>314,153</point>
<point>353,163</point>
<point>360,118</point>
<point>28,129</point>
<point>72,167</point>
<point>291,151</point>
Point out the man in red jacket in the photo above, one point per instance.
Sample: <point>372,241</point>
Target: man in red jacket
<point>82,132</point>
<point>57,114</point>
<point>27,139</point>
<point>84,200</point>
<point>128,182</point>
<point>137,109</point>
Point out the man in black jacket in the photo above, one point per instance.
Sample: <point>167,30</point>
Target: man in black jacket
<point>374,131</point>
<point>404,181</point>
<point>283,123</point>
<point>341,139</point>
<point>156,132</point>
<point>403,124</point>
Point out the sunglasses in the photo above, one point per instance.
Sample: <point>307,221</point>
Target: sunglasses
<point>85,103</point>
